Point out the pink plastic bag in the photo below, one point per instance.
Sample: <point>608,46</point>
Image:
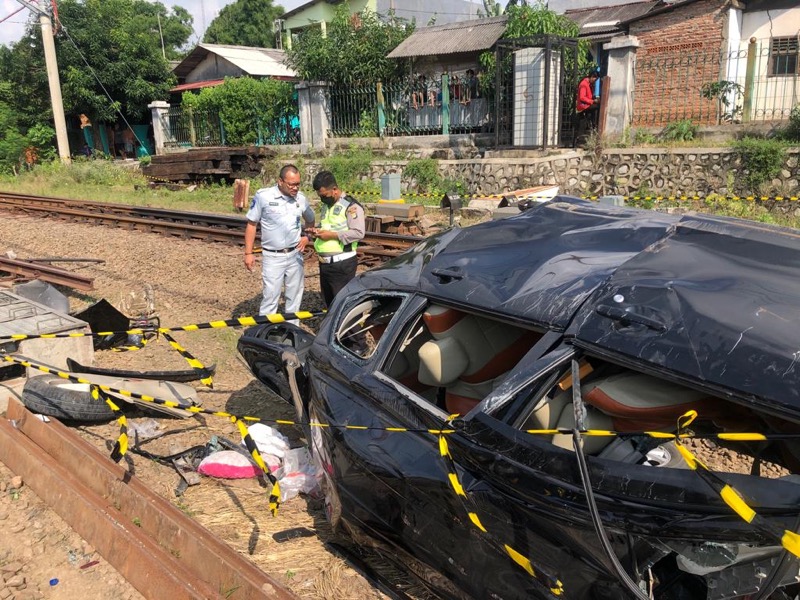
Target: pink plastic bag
<point>228,464</point>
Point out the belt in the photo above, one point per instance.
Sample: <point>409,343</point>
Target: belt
<point>337,257</point>
<point>281,251</point>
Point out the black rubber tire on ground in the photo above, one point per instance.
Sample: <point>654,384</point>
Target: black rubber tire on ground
<point>56,397</point>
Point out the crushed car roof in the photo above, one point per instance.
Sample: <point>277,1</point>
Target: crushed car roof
<point>714,299</point>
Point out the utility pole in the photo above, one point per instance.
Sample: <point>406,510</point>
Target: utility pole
<point>52,78</point>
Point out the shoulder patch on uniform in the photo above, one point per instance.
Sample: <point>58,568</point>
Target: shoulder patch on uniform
<point>253,202</point>
<point>352,211</point>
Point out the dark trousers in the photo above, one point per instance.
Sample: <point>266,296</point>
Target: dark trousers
<point>587,121</point>
<point>334,276</point>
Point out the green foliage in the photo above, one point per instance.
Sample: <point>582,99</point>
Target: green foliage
<point>425,172</point>
<point>354,50</point>
<point>727,93</point>
<point>792,131</point>
<point>12,142</point>
<point>529,21</point>
<point>761,160</point>
<point>41,137</point>
<point>679,131</point>
<point>351,168</point>
<point>244,104</point>
<point>245,23</point>
<point>367,124</point>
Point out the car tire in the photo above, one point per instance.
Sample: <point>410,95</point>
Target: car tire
<point>56,397</point>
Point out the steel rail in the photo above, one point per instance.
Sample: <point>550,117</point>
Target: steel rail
<point>206,226</point>
<point>45,272</point>
<point>159,550</point>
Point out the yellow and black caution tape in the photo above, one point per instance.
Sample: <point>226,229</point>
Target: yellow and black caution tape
<point>788,539</point>
<point>549,581</point>
<point>238,322</point>
<point>200,368</point>
<point>121,445</point>
<point>648,198</point>
<point>275,492</point>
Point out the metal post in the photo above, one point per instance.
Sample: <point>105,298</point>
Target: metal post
<point>381,110</point>
<point>749,80</point>
<point>497,117</point>
<point>546,111</point>
<point>445,104</point>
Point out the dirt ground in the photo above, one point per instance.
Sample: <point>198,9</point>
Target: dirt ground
<point>194,282</point>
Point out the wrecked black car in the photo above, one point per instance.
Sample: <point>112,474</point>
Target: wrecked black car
<point>608,367</point>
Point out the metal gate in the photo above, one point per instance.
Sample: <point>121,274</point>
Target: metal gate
<point>535,84</point>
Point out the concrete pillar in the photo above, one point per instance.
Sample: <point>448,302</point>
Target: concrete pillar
<point>621,60</point>
<point>312,101</point>
<point>159,110</point>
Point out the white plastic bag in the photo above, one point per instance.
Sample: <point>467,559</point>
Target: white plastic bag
<point>299,475</point>
<point>268,440</point>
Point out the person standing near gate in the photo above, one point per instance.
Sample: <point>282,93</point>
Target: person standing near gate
<point>586,104</point>
<point>342,224</point>
<point>280,210</point>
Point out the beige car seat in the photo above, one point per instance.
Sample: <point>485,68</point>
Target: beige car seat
<point>468,355</point>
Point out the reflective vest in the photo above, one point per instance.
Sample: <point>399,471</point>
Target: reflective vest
<point>334,219</point>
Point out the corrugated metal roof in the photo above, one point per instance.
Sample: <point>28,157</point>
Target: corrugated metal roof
<point>453,38</point>
<point>258,62</point>
<point>608,19</point>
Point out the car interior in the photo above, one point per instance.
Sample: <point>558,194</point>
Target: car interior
<point>454,359</point>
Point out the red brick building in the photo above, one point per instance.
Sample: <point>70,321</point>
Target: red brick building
<point>682,46</point>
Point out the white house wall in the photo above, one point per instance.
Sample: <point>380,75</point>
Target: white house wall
<point>773,97</point>
<point>773,23</point>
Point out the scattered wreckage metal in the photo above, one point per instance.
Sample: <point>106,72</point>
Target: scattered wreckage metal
<point>159,550</point>
<point>578,301</point>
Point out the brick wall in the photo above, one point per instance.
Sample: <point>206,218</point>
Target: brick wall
<point>679,51</point>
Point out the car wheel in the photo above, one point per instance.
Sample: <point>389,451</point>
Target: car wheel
<point>56,397</point>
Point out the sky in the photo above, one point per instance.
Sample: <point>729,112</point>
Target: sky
<point>12,27</point>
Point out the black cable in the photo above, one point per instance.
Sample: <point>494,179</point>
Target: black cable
<point>579,413</point>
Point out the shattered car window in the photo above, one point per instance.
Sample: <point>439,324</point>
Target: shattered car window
<point>363,325</point>
<point>454,359</point>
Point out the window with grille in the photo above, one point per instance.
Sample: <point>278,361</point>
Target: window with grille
<point>783,56</point>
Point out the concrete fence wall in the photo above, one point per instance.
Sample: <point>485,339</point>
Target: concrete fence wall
<point>628,171</point>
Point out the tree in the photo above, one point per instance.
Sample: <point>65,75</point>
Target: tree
<point>529,21</point>
<point>245,23</point>
<point>120,41</point>
<point>354,51</point>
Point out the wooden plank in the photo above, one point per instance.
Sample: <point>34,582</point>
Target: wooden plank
<point>404,211</point>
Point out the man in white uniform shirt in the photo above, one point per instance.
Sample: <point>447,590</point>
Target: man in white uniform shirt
<point>279,210</point>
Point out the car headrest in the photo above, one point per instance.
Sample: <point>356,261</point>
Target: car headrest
<point>441,362</point>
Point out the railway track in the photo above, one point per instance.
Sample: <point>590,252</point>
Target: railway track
<point>227,229</point>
